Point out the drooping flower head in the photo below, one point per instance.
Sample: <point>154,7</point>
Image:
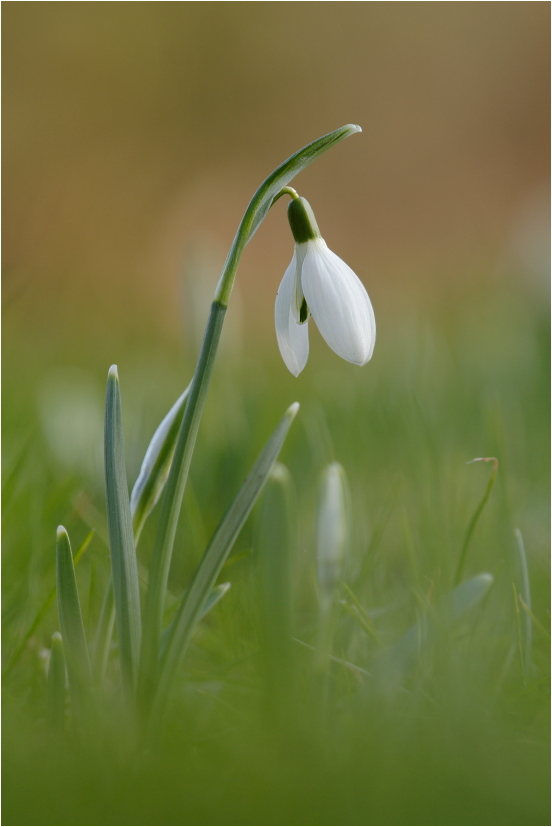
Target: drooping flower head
<point>318,283</point>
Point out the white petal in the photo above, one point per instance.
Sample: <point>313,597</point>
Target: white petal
<point>293,338</point>
<point>339,303</point>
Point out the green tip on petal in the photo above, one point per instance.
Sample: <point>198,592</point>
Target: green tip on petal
<point>302,221</point>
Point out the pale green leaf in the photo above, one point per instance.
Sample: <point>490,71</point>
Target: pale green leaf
<point>124,568</point>
<point>72,627</point>
<point>156,465</point>
<point>56,686</point>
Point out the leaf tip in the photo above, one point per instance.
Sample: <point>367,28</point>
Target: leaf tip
<point>292,410</point>
<point>112,374</point>
<point>61,533</point>
<point>280,473</point>
<point>353,127</point>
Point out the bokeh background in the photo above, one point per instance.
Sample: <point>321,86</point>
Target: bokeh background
<point>134,132</point>
<point>134,135</point>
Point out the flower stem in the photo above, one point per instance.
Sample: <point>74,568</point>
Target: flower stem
<point>171,504</point>
<point>270,190</point>
<point>285,191</point>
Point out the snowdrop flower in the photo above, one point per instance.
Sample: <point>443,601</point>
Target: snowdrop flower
<point>318,283</point>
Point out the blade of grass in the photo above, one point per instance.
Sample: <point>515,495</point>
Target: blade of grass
<point>176,483</point>
<point>43,610</point>
<point>212,561</point>
<point>72,629</point>
<point>534,618</point>
<point>56,687</point>
<point>476,515</point>
<point>126,590</point>
<point>525,597</point>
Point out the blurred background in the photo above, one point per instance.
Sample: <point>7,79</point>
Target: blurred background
<point>134,135</point>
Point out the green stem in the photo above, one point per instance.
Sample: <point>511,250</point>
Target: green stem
<point>285,191</point>
<point>171,504</point>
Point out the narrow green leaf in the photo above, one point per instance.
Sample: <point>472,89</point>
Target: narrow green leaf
<point>56,686</point>
<point>476,515</point>
<point>156,465</point>
<point>124,568</point>
<point>534,618</point>
<point>44,609</point>
<point>213,559</point>
<point>72,628</point>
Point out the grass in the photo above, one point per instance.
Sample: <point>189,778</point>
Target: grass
<point>457,735</point>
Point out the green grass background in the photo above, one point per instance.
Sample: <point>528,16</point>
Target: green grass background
<point>466,739</point>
